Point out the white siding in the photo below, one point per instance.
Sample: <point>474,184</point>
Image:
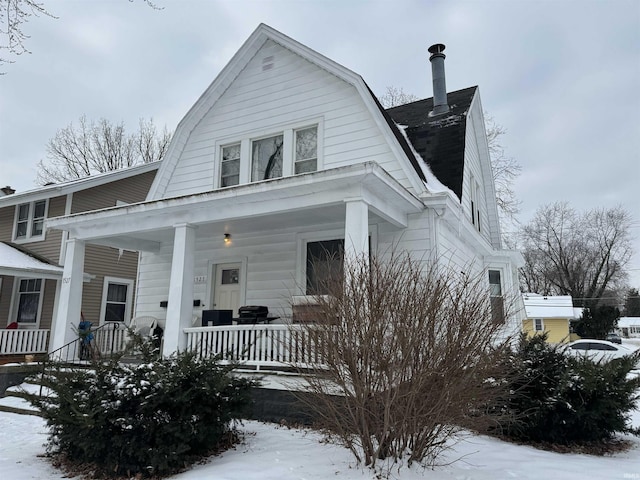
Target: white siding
<point>293,92</point>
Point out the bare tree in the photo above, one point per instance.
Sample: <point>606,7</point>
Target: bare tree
<point>407,355</point>
<point>14,15</point>
<point>394,96</point>
<point>89,148</point>
<point>505,171</point>
<point>579,254</point>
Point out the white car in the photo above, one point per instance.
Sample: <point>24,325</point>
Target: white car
<point>597,350</point>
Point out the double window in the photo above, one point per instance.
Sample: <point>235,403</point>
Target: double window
<point>29,222</point>
<point>292,151</point>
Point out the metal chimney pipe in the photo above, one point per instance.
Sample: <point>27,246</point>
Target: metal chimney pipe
<point>440,104</point>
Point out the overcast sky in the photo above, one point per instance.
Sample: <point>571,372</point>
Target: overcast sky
<point>563,77</point>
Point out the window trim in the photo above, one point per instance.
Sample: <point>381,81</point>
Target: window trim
<point>30,219</point>
<point>103,299</point>
<point>221,156</point>
<point>15,301</point>
<point>535,325</point>
<point>246,139</point>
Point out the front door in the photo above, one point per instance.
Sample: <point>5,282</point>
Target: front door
<point>226,289</point>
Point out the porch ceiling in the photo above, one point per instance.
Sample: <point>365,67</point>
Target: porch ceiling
<point>298,201</point>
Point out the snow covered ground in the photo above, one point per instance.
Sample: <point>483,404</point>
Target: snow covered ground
<point>271,452</point>
<point>278,453</point>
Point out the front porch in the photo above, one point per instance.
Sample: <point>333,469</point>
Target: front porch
<point>258,233</point>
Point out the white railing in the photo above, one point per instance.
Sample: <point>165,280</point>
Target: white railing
<point>110,338</point>
<point>18,342</point>
<point>257,345</point>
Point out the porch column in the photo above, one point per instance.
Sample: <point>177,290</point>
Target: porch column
<point>180,299</point>
<point>356,230</point>
<point>69,302</point>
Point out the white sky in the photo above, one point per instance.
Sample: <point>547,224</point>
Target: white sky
<point>563,77</point>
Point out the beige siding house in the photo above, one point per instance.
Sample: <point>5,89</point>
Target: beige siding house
<point>33,258</point>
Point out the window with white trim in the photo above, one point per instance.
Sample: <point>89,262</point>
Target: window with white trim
<point>230,165</point>
<point>538,325</point>
<point>306,159</point>
<point>29,300</point>
<point>324,264</point>
<point>292,150</point>
<point>29,222</point>
<point>495,292</point>
<point>116,300</point>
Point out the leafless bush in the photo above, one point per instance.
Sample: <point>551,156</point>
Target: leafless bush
<point>409,354</point>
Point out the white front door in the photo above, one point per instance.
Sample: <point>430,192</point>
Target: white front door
<point>226,289</point>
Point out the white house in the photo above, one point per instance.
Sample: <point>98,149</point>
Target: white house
<point>285,156</point>
<point>629,327</point>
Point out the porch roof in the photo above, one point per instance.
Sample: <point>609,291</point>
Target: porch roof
<point>17,262</point>
<point>276,203</point>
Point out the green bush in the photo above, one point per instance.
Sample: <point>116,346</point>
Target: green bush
<point>149,419</point>
<point>564,400</point>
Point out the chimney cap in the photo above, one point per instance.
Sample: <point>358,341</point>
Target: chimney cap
<point>436,49</point>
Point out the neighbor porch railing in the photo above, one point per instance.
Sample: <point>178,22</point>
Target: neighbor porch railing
<point>20,342</point>
<point>257,345</point>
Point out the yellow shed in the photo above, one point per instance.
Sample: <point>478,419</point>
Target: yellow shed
<point>550,314</point>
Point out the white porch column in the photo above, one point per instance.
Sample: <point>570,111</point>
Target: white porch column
<point>69,302</point>
<point>356,229</point>
<point>180,299</point>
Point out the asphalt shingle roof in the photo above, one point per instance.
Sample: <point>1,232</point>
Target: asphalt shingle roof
<point>440,140</point>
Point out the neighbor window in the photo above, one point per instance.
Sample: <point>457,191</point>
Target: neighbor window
<point>266,158</point>
<point>495,291</point>
<point>116,294</point>
<point>29,291</point>
<point>538,326</point>
<point>324,265</point>
<point>230,166</point>
<point>306,150</point>
<point>30,220</point>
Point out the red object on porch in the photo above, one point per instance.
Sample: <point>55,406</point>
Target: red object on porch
<point>12,326</point>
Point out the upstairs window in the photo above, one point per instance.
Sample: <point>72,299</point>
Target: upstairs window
<point>266,158</point>
<point>30,220</point>
<point>306,150</point>
<point>475,205</point>
<point>230,166</point>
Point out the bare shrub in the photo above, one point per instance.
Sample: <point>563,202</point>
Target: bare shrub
<point>408,355</point>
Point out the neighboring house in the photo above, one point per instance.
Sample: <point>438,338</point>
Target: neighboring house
<point>550,314</point>
<point>629,327</point>
<point>31,257</point>
<point>286,160</point>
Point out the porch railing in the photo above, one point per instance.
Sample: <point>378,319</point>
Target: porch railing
<point>20,342</point>
<point>257,345</point>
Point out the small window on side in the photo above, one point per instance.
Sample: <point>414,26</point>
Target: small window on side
<point>230,166</point>
<point>306,150</point>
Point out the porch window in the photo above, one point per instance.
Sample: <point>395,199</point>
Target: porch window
<point>266,158</point>
<point>324,264</point>
<point>495,292</point>
<point>29,291</point>
<point>538,325</point>
<point>30,220</point>
<point>116,295</point>
<point>230,166</point>
<point>306,150</point>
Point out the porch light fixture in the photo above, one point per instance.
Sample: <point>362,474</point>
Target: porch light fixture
<point>227,239</point>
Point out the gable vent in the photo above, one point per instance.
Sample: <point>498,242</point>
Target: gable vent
<point>267,63</point>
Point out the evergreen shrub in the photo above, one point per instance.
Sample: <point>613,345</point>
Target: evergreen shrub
<point>148,419</point>
<point>565,400</point>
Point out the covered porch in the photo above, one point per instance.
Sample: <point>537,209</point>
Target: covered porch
<point>257,234</point>
<point>24,275</point>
